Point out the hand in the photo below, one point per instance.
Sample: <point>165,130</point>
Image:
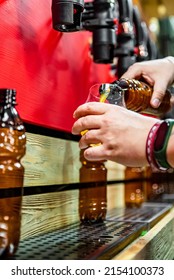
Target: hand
<point>158,73</point>
<point>122,133</point>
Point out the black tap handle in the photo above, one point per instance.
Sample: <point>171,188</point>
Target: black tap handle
<point>125,10</point>
<point>137,24</point>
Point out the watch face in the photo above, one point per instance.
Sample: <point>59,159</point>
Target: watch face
<point>161,142</point>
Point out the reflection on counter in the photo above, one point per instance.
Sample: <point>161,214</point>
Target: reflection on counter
<point>142,185</point>
<point>155,188</point>
<point>10,223</point>
<point>53,227</point>
<point>92,199</point>
<point>134,191</point>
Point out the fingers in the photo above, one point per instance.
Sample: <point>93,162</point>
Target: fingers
<point>159,91</point>
<point>91,108</point>
<point>134,71</point>
<point>86,123</point>
<point>148,79</point>
<point>90,138</point>
<point>138,70</point>
<point>96,152</point>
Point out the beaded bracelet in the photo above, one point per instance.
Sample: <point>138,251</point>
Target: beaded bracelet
<point>150,147</point>
<point>156,145</point>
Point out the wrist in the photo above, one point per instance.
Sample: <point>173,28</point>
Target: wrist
<point>159,150</point>
<point>170,150</point>
<point>150,146</point>
<point>170,59</point>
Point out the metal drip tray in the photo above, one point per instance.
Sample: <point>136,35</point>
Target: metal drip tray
<point>77,241</point>
<point>167,198</point>
<point>93,241</point>
<point>149,213</point>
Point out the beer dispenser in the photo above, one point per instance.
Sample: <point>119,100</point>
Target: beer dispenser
<point>117,30</point>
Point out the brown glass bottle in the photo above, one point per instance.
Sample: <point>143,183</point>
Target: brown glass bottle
<point>137,97</point>
<point>12,149</point>
<point>134,189</point>
<point>93,195</point>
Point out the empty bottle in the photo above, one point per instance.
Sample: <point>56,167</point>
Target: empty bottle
<point>12,149</point>
<point>93,194</point>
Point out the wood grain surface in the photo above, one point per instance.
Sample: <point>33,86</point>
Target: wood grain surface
<point>47,212</point>
<point>50,160</point>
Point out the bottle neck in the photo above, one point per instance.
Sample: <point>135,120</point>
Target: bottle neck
<point>7,97</point>
<point>137,96</point>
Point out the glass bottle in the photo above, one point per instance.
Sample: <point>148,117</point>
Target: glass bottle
<point>12,149</point>
<point>134,187</point>
<point>137,97</point>
<point>93,195</point>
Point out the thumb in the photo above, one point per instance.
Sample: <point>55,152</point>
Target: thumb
<point>159,91</point>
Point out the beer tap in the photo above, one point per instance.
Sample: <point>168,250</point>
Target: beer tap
<point>141,36</point>
<point>66,15</point>
<point>125,37</point>
<point>116,27</point>
<point>145,48</point>
<point>100,17</point>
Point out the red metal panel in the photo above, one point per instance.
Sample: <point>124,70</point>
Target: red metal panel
<point>51,71</point>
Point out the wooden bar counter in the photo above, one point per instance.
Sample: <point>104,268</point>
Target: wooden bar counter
<point>50,224</point>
